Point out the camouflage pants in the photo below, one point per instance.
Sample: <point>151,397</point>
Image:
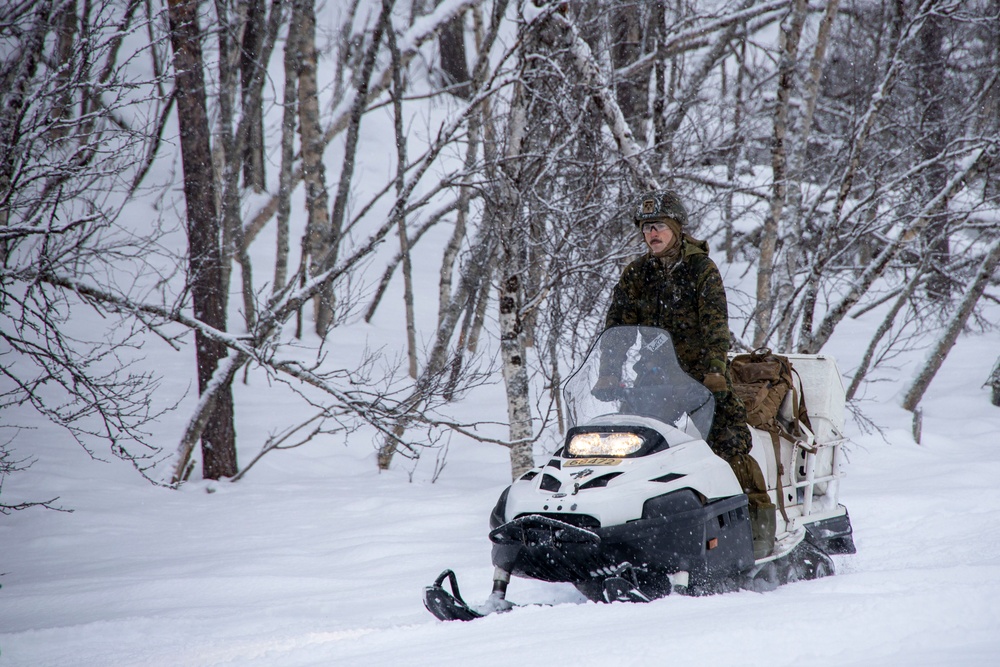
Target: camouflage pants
<point>730,439</point>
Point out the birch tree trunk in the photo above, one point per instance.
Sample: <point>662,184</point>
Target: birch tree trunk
<point>285,177</point>
<point>735,150</point>
<point>399,210</point>
<point>66,29</point>
<point>515,375</point>
<point>316,242</point>
<point>450,253</point>
<point>660,139</point>
<point>505,214</point>
<point>231,141</point>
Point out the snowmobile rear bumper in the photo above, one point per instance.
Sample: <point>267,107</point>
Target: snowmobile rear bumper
<point>711,542</point>
<point>834,535</point>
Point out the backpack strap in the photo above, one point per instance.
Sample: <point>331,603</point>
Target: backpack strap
<point>773,429</point>
<point>801,414</point>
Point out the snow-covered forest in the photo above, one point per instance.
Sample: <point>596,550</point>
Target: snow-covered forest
<point>288,290</point>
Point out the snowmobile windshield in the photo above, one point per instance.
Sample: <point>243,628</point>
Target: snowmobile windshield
<point>634,370</point>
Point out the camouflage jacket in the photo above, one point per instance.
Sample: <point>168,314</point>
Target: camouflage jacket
<point>687,299</point>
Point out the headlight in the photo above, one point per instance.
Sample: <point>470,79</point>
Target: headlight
<point>604,444</point>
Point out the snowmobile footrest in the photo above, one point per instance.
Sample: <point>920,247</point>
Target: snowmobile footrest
<point>448,606</point>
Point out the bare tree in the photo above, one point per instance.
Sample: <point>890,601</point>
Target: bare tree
<point>218,437</point>
<point>868,360</point>
<point>451,45</point>
<point>65,150</point>
<point>404,245</point>
<point>236,133</point>
<point>316,244</point>
<point>933,140</point>
<point>994,382</point>
<point>8,466</point>
<point>442,365</point>
<point>790,34</point>
<point>503,217</point>
<point>626,47</point>
<point>252,62</point>
<point>286,170</point>
<point>940,350</point>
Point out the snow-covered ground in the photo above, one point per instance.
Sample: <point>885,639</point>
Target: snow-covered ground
<point>317,559</point>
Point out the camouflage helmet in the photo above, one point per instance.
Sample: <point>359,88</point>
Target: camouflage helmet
<point>659,204</point>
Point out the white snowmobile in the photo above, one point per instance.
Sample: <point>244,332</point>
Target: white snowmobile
<point>636,505</point>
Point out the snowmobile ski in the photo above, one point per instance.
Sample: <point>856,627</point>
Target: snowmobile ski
<point>448,606</point>
<point>451,607</point>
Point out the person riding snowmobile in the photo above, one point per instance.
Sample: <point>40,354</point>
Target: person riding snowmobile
<point>676,286</point>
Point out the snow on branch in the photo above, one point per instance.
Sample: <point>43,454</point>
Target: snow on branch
<point>603,94</point>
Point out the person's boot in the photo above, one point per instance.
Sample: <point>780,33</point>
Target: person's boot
<point>763,521</point>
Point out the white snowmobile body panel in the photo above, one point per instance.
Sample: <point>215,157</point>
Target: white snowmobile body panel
<point>690,463</point>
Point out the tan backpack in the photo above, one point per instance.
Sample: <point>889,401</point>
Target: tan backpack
<point>762,380</point>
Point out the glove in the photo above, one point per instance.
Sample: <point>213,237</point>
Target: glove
<point>607,389</point>
<point>716,383</point>
<point>647,375</point>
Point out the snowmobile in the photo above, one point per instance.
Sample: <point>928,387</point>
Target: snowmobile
<point>635,505</point>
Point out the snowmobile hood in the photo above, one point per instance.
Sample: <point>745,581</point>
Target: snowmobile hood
<point>608,491</point>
